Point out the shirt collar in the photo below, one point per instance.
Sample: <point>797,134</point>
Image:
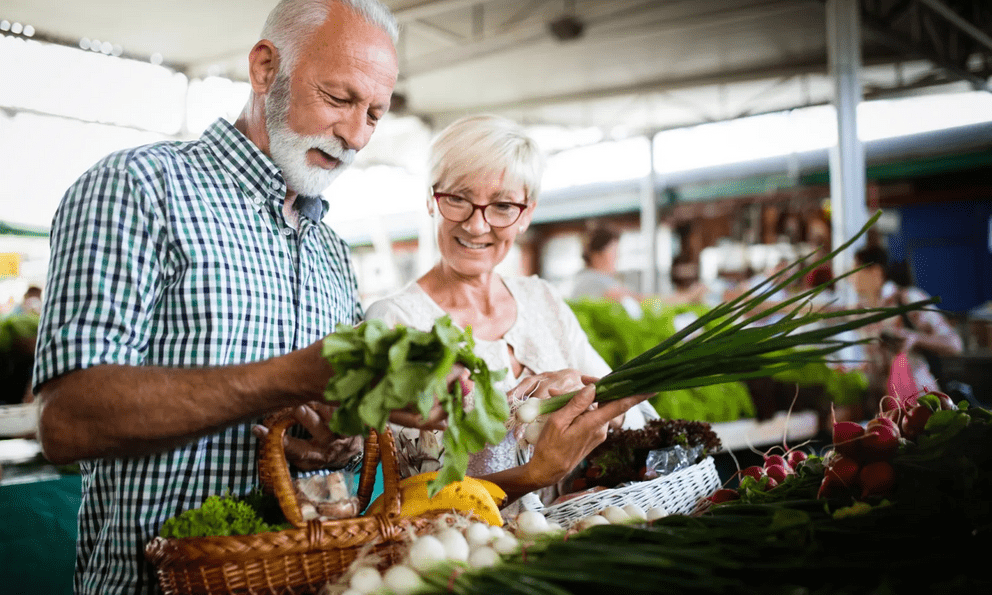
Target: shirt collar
<point>312,207</point>
<point>253,169</point>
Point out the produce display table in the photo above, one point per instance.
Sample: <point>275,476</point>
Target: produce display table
<point>742,434</point>
<point>38,527</point>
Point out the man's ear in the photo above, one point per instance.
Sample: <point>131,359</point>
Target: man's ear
<point>263,65</point>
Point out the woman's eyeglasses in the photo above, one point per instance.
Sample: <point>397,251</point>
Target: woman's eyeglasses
<point>457,209</point>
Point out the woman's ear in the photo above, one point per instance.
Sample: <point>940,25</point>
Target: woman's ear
<point>524,222</point>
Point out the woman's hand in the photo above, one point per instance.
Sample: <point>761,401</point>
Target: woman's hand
<point>545,384</point>
<point>570,434</point>
<point>324,449</point>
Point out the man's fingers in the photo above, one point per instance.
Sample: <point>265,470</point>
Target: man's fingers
<point>437,420</point>
<point>306,417</point>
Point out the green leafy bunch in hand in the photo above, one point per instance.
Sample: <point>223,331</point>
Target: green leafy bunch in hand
<point>378,370</point>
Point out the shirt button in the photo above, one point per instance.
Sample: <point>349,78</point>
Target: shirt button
<point>287,232</point>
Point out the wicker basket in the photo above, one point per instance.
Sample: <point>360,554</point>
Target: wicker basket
<point>678,492</point>
<point>297,560</point>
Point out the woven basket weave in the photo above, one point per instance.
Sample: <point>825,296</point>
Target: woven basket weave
<point>678,492</point>
<point>297,560</point>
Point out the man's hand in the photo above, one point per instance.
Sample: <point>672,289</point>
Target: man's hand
<point>325,449</point>
<point>437,418</point>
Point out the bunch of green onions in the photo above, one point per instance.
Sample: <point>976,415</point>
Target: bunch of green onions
<point>724,345</point>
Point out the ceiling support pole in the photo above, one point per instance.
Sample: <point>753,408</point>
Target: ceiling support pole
<point>649,225</point>
<point>847,159</point>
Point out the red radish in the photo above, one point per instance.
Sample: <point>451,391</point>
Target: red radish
<point>842,470</point>
<point>778,473</point>
<point>888,403</point>
<point>877,479</point>
<point>753,471</point>
<point>795,458</point>
<point>915,421</point>
<point>724,495</point>
<point>773,460</point>
<point>770,483</point>
<point>830,487</point>
<point>881,441</point>
<point>946,403</point>
<point>847,436</point>
<point>882,421</point>
<point>886,422</point>
<point>891,408</point>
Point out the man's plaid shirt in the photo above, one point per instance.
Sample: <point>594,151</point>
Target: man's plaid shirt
<point>177,254</point>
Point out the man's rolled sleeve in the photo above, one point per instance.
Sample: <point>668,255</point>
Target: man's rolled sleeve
<point>101,292</point>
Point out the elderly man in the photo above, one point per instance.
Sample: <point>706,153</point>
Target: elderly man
<point>190,284</point>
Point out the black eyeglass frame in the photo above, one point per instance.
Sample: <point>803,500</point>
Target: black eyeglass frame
<point>439,195</point>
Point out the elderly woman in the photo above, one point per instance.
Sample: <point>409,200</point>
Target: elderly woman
<point>486,175</point>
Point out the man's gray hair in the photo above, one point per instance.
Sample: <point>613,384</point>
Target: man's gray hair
<point>292,22</point>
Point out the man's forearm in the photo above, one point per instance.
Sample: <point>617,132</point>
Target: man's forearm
<point>123,411</point>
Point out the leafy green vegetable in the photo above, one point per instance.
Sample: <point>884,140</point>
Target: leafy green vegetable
<point>219,516</point>
<point>379,369</point>
<point>843,388</point>
<point>728,401</point>
<point>618,338</point>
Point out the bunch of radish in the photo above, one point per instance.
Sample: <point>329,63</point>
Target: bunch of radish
<point>774,471</point>
<point>860,464</point>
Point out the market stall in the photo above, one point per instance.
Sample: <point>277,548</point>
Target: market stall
<point>38,532</point>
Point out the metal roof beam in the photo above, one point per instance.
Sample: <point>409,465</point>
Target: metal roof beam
<point>958,21</point>
<point>615,17</point>
<point>937,50</point>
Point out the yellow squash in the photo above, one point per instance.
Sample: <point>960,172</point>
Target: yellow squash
<point>477,496</point>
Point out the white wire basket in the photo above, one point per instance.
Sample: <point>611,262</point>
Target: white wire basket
<point>679,493</point>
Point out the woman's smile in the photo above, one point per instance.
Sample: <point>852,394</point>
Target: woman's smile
<point>472,245</point>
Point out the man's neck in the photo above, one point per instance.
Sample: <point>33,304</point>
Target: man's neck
<point>290,212</point>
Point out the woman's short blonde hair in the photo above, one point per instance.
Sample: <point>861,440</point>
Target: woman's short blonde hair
<point>476,144</point>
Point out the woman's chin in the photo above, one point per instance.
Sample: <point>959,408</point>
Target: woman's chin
<point>469,267</point>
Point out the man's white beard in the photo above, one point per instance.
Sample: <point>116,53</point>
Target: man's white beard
<point>289,149</point>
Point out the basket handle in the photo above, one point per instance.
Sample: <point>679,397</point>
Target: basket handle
<point>273,471</point>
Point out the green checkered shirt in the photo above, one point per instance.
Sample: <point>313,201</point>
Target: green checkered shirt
<point>177,254</point>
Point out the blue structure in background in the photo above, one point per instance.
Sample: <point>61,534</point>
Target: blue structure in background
<point>949,250</point>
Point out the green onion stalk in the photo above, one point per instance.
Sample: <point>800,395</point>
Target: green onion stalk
<point>725,345</point>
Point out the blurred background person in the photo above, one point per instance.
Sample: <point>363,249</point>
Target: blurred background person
<point>18,334</point>
<point>30,303</point>
<point>924,335</point>
<point>598,279</point>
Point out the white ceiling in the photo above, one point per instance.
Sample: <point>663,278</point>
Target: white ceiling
<point>639,65</point>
